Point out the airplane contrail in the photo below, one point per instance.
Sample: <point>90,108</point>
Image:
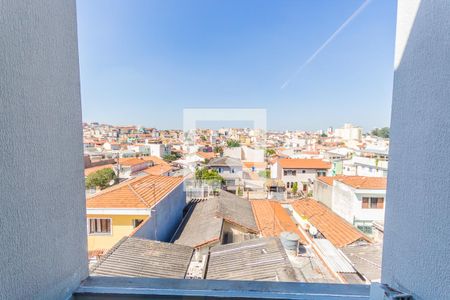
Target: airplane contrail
<point>329,40</point>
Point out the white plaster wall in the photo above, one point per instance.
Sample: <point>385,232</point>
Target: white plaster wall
<point>323,193</point>
<point>43,249</point>
<point>343,201</point>
<point>417,237</point>
<point>368,214</point>
<point>309,175</point>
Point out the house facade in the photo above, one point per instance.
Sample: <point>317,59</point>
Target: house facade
<point>360,200</point>
<point>157,201</point>
<point>303,172</point>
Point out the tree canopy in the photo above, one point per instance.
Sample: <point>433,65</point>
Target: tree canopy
<point>171,157</point>
<point>270,152</point>
<point>381,132</point>
<point>233,143</point>
<point>100,178</point>
<point>208,175</point>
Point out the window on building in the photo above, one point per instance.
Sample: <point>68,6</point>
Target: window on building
<point>285,173</point>
<point>303,171</point>
<point>136,222</point>
<point>372,202</point>
<point>99,226</point>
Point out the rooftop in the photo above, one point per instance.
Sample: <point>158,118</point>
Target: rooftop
<point>334,228</point>
<point>91,170</point>
<point>135,257</point>
<point>131,161</point>
<point>256,259</point>
<point>272,219</point>
<point>203,223</point>
<point>225,161</point>
<point>158,169</point>
<point>366,258</point>
<point>140,192</point>
<point>358,182</point>
<point>297,163</point>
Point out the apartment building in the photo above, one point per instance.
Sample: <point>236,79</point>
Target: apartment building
<point>300,171</point>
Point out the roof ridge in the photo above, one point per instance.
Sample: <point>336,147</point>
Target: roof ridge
<point>139,197</point>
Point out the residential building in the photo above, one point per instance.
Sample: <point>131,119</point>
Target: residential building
<point>116,211</point>
<point>358,199</point>
<point>222,219</point>
<point>230,169</point>
<point>337,240</point>
<point>349,133</point>
<point>300,171</point>
<point>132,165</point>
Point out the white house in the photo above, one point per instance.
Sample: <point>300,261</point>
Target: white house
<point>159,150</point>
<point>358,199</point>
<point>365,166</point>
<point>300,171</point>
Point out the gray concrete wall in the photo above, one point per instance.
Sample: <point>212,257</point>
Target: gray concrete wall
<point>166,217</point>
<point>416,240</point>
<point>43,249</point>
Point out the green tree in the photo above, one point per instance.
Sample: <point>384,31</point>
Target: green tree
<point>233,143</point>
<point>100,179</point>
<point>270,152</point>
<point>218,149</point>
<point>381,132</point>
<point>207,174</point>
<point>295,187</point>
<point>171,157</point>
<point>264,173</point>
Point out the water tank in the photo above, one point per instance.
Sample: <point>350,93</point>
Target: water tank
<point>289,240</point>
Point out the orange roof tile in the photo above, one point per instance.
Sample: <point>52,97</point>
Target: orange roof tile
<point>358,182</point>
<point>250,164</point>
<point>156,160</point>
<point>91,170</point>
<point>131,161</point>
<point>338,231</point>
<point>140,192</point>
<point>297,163</point>
<point>206,155</point>
<point>158,169</point>
<point>272,219</point>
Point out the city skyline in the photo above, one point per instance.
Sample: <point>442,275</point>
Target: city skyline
<point>310,67</point>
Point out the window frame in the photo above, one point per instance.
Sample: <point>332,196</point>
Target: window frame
<point>369,203</point>
<point>88,225</point>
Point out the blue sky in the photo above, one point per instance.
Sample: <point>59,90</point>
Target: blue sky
<point>143,62</point>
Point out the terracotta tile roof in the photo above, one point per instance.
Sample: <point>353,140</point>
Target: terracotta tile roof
<point>91,170</point>
<point>206,155</point>
<point>131,161</point>
<point>257,165</point>
<point>297,163</point>
<point>338,231</point>
<point>358,182</point>
<point>156,160</point>
<point>272,219</point>
<point>140,192</point>
<point>158,169</point>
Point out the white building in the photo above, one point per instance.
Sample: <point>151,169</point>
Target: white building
<point>349,132</point>
<point>300,171</point>
<point>358,199</point>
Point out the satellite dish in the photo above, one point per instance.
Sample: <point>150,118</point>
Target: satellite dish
<point>313,231</point>
<point>112,182</point>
